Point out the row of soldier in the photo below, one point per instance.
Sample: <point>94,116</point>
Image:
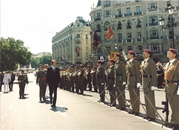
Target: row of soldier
<point>132,75</point>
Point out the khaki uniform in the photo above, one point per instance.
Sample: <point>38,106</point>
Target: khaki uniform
<point>22,79</point>
<point>133,77</point>
<point>110,84</point>
<point>171,78</point>
<point>149,78</point>
<point>119,78</point>
<point>100,78</point>
<point>41,79</point>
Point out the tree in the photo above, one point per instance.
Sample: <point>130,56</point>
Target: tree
<point>46,59</point>
<point>35,62</point>
<point>13,52</point>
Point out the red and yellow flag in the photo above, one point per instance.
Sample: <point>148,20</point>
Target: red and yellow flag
<point>109,33</point>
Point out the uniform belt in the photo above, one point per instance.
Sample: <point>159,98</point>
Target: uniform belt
<point>133,75</point>
<point>118,74</point>
<point>42,78</point>
<point>147,76</point>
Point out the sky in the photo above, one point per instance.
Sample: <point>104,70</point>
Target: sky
<point>36,21</point>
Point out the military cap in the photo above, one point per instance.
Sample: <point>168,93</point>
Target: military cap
<point>99,61</point>
<point>72,66</point>
<point>117,54</point>
<point>148,51</point>
<point>77,67</point>
<point>174,51</point>
<point>95,67</point>
<point>111,60</point>
<point>131,52</point>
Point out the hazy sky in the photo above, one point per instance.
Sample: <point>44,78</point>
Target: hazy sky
<point>36,21</point>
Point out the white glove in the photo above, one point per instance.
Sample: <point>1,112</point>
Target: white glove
<point>102,83</point>
<point>123,83</point>
<point>138,85</point>
<point>153,88</point>
<point>114,85</point>
<point>126,86</point>
<point>178,91</point>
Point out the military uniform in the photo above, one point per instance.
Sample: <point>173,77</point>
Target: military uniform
<point>81,79</point>
<point>100,80</point>
<point>171,82</point>
<point>149,80</point>
<point>133,77</point>
<point>119,80</point>
<point>77,79</point>
<point>93,78</point>
<point>22,79</point>
<point>89,78</point>
<point>41,79</point>
<point>110,84</point>
<point>71,72</point>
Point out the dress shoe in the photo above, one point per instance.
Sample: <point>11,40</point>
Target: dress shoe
<point>53,105</point>
<point>122,108</point>
<point>146,117</point>
<point>136,113</point>
<point>131,112</point>
<point>151,119</point>
<point>170,125</point>
<point>50,102</point>
<point>112,105</point>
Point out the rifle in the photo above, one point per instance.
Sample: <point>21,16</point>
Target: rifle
<point>165,110</point>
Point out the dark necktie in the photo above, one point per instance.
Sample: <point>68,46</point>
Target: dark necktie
<point>169,64</point>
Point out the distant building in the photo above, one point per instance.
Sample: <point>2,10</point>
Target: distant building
<point>135,24</point>
<point>72,45</point>
<point>41,54</point>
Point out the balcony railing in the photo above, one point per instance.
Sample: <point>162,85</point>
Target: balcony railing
<point>128,27</point>
<point>117,4</point>
<point>96,19</point>
<point>107,5</point>
<point>107,16</point>
<point>98,30</point>
<point>128,14</point>
<point>138,0</point>
<point>119,28</point>
<point>139,39</point>
<point>127,2</point>
<point>138,26</point>
<point>153,24</point>
<point>129,40</point>
<point>137,13</point>
<point>152,9</point>
<point>118,16</point>
<point>154,37</point>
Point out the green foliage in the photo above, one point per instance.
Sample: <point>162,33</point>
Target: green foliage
<point>13,52</point>
<point>45,59</point>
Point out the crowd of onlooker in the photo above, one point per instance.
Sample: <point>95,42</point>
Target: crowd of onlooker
<point>7,79</point>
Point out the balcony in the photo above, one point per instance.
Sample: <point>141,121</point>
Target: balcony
<point>138,0</point>
<point>139,39</point>
<point>152,9</point>
<point>119,28</point>
<point>153,24</point>
<point>128,14</point>
<point>137,13</point>
<point>106,16</point>
<point>107,5</point>
<point>117,4</point>
<point>127,2</point>
<point>96,19</point>
<point>129,40</point>
<point>138,26</point>
<point>118,16</point>
<point>154,37</point>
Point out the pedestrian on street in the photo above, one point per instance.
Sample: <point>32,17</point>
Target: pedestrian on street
<point>133,82</point>
<point>172,86</point>
<point>1,80</point>
<point>22,80</point>
<point>149,83</point>
<point>53,80</point>
<point>89,77</point>
<point>41,80</point>
<point>100,80</point>
<point>6,80</point>
<point>12,81</point>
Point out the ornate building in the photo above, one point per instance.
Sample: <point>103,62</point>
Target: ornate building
<point>135,24</point>
<point>72,45</point>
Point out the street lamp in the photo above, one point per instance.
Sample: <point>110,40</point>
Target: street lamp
<point>171,24</point>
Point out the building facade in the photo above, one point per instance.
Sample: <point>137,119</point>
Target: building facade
<point>72,45</point>
<point>135,24</point>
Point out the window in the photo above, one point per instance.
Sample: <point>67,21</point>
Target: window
<point>98,27</point>
<point>170,34</point>
<point>128,10</point>
<point>118,2</point>
<point>128,24</point>
<point>127,1</point>
<point>153,21</point>
<point>119,11</point>
<point>154,34</point>
<point>155,48</point>
<point>129,37</point>
<point>139,48</point>
<point>108,12</point>
<point>137,9</point>
<point>138,34</point>
<point>119,37</point>
<point>168,3</point>
<point>129,48</point>
<point>107,3</point>
<point>152,6</point>
<point>119,25</point>
<point>98,15</point>
<point>138,23</point>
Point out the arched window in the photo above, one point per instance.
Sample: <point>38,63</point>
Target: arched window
<point>153,21</point>
<point>128,24</point>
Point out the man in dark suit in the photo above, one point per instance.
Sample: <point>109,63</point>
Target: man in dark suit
<point>53,80</point>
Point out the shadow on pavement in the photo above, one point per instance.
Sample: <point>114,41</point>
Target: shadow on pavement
<point>87,95</point>
<point>61,109</point>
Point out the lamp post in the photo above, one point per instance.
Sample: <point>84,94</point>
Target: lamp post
<point>171,24</point>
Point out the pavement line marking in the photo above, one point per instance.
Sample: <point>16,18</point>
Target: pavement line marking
<point>11,106</point>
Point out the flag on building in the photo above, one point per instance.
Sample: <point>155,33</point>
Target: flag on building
<point>109,33</point>
<point>96,41</point>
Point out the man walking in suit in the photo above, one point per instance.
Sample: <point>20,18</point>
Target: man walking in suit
<point>53,80</point>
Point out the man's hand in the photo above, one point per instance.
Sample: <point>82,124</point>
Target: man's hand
<point>102,83</point>
<point>123,83</point>
<point>138,85</point>
<point>114,85</point>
